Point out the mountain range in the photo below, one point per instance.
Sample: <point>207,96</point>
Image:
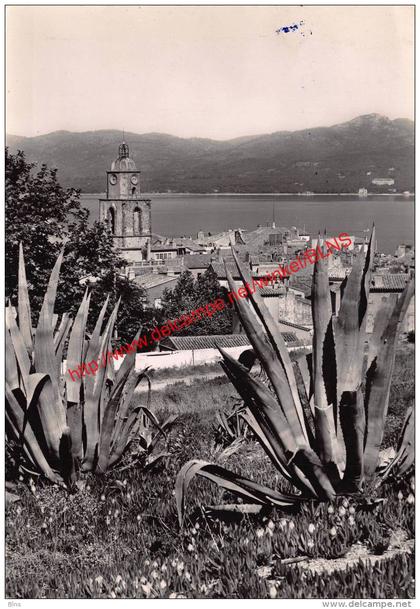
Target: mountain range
<point>341,158</point>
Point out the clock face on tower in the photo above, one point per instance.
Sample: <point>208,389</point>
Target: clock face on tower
<point>112,178</point>
<point>134,179</point>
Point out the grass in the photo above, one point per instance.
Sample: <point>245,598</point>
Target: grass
<point>119,536</point>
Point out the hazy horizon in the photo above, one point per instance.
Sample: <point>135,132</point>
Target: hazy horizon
<point>127,133</point>
<point>212,72</point>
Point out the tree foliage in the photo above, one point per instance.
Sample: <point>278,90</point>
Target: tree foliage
<point>188,295</point>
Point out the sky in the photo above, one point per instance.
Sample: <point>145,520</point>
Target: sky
<point>217,72</point>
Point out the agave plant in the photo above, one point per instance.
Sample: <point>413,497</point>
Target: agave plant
<point>58,425</point>
<point>321,422</point>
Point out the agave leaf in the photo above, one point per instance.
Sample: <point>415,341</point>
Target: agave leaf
<point>272,365</point>
<point>108,423</point>
<point>75,351</point>
<point>95,400</point>
<point>120,433</point>
<point>274,336</point>
<point>353,423</point>
<point>382,318</point>
<point>21,353</point>
<point>51,293</point>
<point>61,333</point>
<point>15,416</point>
<point>247,489</point>
<point>305,367</point>
<point>129,360</point>
<point>94,343</point>
<point>12,375</point>
<point>67,463</point>
<point>270,418</point>
<point>350,324</point>
<point>24,307</point>
<point>50,406</point>
<point>269,412</point>
<point>308,462</point>
<point>404,458</point>
<point>324,371</point>
<point>378,381</point>
<point>60,340</point>
<point>280,464</point>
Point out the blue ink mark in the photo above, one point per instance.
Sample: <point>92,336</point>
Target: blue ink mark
<point>292,28</point>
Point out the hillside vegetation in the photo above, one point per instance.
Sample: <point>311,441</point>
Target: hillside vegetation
<point>341,158</point>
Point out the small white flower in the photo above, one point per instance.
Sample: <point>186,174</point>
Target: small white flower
<point>138,517</point>
<point>283,523</point>
<point>342,511</point>
<point>155,565</point>
<point>260,532</point>
<point>400,496</point>
<point>291,525</point>
<point>310,543</point>
<point>273,592</point>
<point>352,510</point>
<point>174,563</point>
<point>154,574</point>
<point>99,580</point>
<point>102,497</point>
<point>345,503</point>
<point>187,575</point>
<point>108,520</point>
<point>271,525</point>
<point>180,568</point>
<point>164,568</point>
<point>330,509</point>
<point>203,588</point>
<point>351,520</point>
<point>410,498</point>
<point>147,588</point>
<point>143,580</point>
<point>311,528</point>
<point>197,526</point>
<point>125,482</point>
<point>333,531</point>
<point>190,547</point>
<point>162,584</point>
<point>147,563</point>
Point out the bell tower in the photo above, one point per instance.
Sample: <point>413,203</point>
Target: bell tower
<point>126,214</point>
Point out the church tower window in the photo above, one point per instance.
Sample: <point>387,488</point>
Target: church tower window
<point>111,220</point>
<point>137,221</point>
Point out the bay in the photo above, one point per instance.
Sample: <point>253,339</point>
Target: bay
<point>186,214</point>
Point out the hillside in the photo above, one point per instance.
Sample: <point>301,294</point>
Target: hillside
<point>341,158</point>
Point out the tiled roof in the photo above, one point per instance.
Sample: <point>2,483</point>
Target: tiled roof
<point>164,248</point>
<point>272,293</point>
<point>225,341</point>
<point>197,261</point>
<point>389,282</point>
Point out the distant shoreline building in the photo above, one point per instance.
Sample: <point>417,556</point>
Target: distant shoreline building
<point>128,217</point>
